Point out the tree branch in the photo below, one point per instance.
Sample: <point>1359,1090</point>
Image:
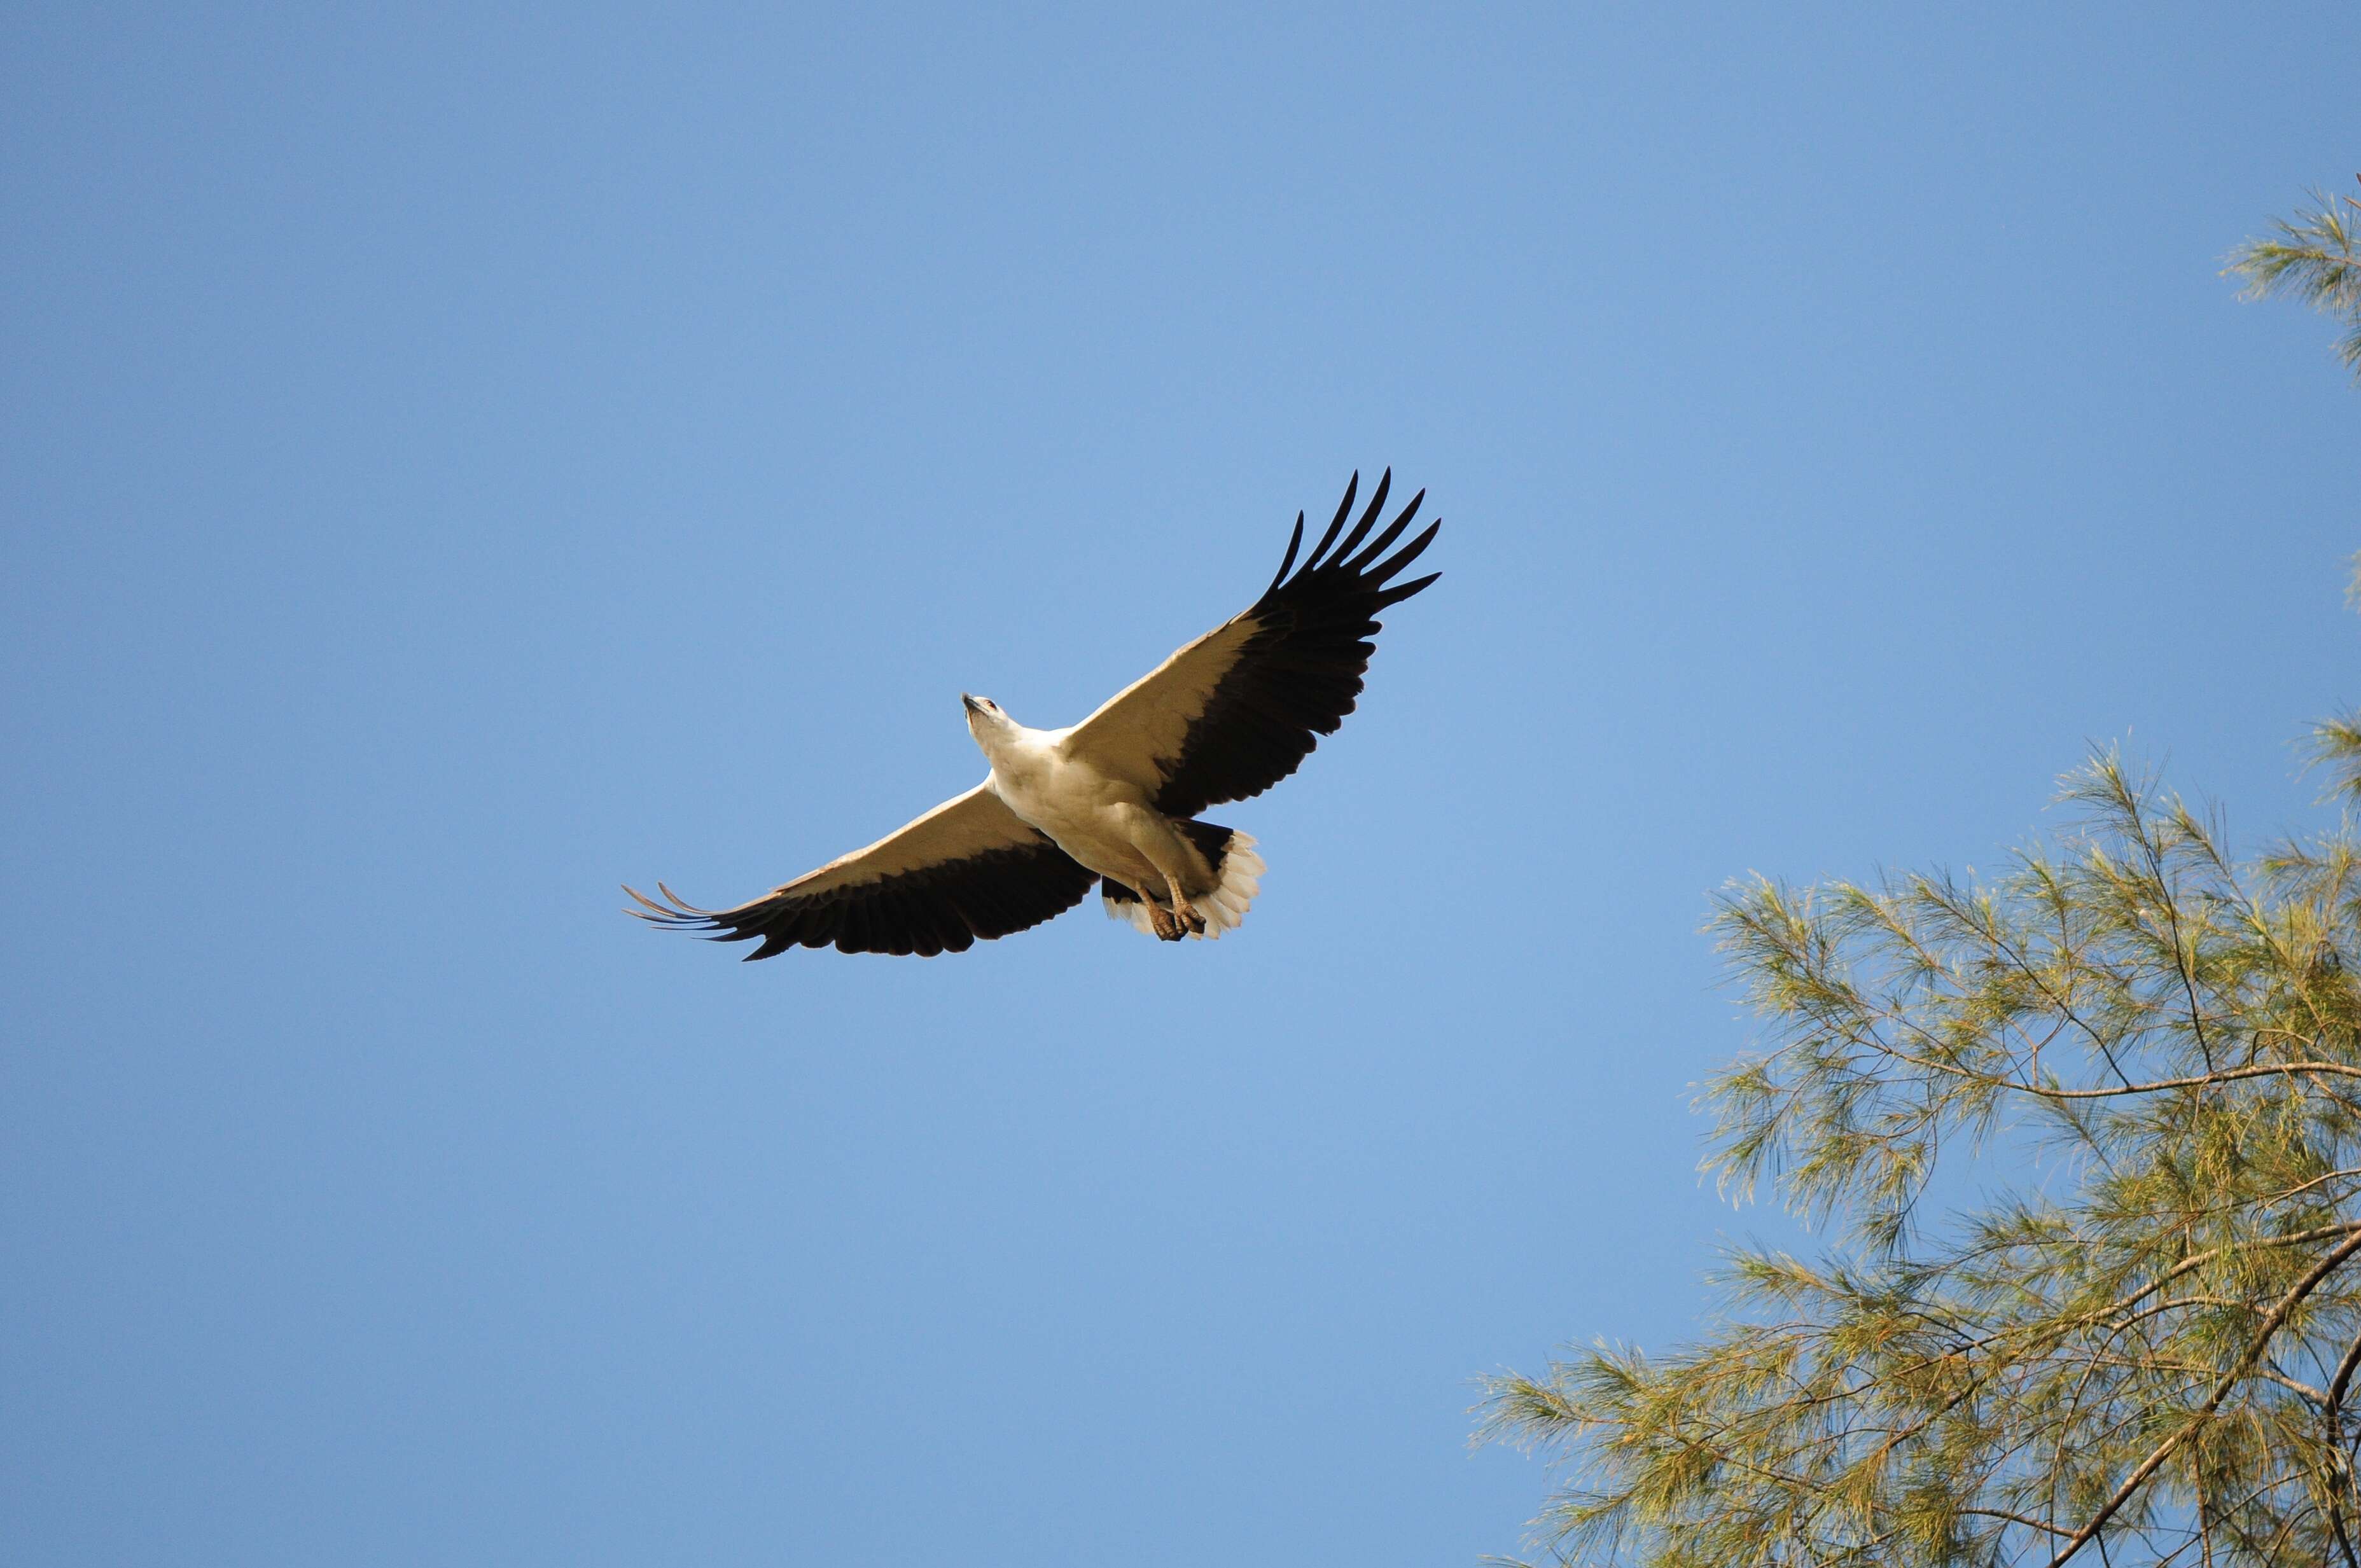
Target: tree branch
<point>2272,1321</point>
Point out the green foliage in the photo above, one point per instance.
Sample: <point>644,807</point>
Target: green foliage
<point>2139,1341</point>
<point>2336,743</point>
<point>2336,746</point>
<point>2144,1336</point>
<point>2315,257</point>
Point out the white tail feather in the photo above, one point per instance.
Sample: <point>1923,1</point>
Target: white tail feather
<point>1224,908</point>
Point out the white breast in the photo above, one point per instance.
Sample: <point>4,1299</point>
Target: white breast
<point>1069,800</point>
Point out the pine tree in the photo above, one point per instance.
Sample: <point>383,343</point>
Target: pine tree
<point>2141,1343</point>
<point>2316,257</point>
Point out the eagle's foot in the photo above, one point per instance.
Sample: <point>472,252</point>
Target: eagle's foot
<point>1172,922</point>
<point>1160,920</point>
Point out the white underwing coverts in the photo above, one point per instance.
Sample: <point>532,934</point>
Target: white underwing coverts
<point>1114,799</point>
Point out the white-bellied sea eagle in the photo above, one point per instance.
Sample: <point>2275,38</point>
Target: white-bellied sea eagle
<point>1115,798</point>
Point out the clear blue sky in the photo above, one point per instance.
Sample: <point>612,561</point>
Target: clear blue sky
<point>456,461</point>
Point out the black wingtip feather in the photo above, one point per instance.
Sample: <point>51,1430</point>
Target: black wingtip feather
<point>1415,586</point>
<point>1393,531</point>
<point>1294,542</point>
<point>1408,553</point>
<point>1368,517</point>
<point>648,904</point>
<point>1336,523</point>
<point>681,905</point>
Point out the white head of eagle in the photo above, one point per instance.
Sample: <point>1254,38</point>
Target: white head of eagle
<point>986,721</point>
<point>1114,800</point>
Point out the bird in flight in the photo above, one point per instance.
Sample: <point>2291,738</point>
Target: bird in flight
<point>1114,799</point>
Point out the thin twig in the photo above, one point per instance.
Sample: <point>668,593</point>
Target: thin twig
<point>2272,1321</point>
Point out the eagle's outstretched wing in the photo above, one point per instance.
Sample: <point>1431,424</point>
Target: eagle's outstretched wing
<point>1238,710</point>
<point>969,868</point>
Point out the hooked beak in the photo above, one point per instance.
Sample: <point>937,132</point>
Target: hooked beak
<point>973,706</point>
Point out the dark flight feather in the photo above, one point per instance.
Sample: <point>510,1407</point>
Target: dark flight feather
<point>1299,673</point>
<point>939,908</point>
